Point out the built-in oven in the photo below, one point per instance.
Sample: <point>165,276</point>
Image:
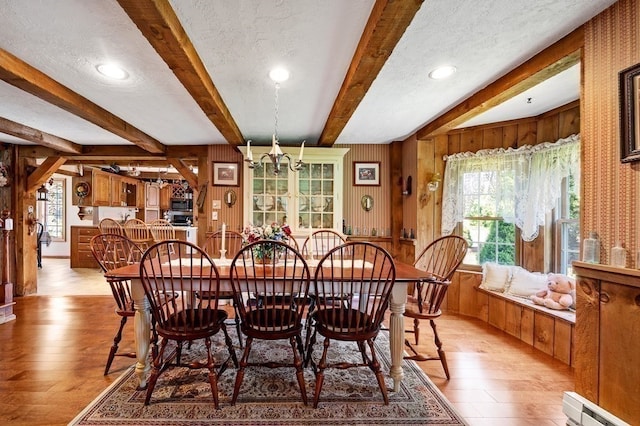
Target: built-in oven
<point>182,204</point>
<point>182,219</point>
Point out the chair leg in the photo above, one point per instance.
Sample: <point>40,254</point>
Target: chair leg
<point>155,371</point>
<point>416,329</point>
<point>375,367</point>
<point>237,320</point>
<point>232,352</point>
<point>213,379</point>
<point>310,341</point>
<point>240,373</point>
<point>441,355</point>
<point>320,373</point>
<point>296,345</point>
<point>114,347</point>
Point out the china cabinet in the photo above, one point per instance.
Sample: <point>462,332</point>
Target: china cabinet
<point>310,197</point>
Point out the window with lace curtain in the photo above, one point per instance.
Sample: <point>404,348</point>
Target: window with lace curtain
<point>493,197</point>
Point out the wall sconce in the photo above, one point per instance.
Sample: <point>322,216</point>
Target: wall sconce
<point>230,197</point>
<point>366,202</point>
<point>432,186</point>
<point>434,183</point>
<point>30,221</point>
<point>406,186</point>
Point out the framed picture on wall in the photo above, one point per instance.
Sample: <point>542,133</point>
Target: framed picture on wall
<point>366,174</point>
<point>225,174</point>
<point>629,90</point>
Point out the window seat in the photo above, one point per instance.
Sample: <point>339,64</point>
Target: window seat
<point>548,330</point>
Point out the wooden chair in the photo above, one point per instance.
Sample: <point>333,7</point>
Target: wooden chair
<point>233,243</point>
<point>161,230</point>
<point>320,242</point>
<point>278,317</point>
<point>441,258</point>
<point>364,293</point>
<point>112,251</point>
<point>188,318</point>
<point>110,226</point>
<point>138,232</point>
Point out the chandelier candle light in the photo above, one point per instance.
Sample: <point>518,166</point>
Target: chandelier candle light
<point>276,155</point>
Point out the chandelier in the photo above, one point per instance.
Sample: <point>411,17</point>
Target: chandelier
<point>276,155</point>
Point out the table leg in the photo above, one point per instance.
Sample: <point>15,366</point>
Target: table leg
<point>142,332</point>
<point>396,333</point>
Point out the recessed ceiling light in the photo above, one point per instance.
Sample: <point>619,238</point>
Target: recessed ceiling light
<point>442,72</point>
<point>279,75</point>
<point>112,71</point>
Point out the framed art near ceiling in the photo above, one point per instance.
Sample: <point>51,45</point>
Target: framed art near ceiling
<point>225,174</point>
<point>629,87</point>
<point>366,174</point>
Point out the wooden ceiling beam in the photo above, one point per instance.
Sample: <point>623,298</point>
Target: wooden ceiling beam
<point>23,76</point>
<point>184,170</point>
<point>37,136</point>
<point>387,23</point>
<point>159,24</point>
<point>557,58</point>
<point>44,172</point>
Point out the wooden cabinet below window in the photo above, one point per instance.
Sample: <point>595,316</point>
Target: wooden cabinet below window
<point>81,256</point>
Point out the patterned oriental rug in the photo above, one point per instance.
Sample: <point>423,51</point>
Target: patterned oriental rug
<point>272,397</point>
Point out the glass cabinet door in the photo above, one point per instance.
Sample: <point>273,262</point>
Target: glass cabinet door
<point>270,195</point>
<point>308,197</point>
<point>316,195</point>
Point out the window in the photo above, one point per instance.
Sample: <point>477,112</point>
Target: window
<point>567,226</point>
<point>499,196</point>
<point>490,238</point>
<point>55,218</point>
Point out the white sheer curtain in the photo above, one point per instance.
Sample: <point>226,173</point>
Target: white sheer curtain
<point>522,185</point>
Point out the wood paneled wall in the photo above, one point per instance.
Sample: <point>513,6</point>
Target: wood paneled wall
<point>610,198</point>
<point>379,216</point>
<point>549,127</point>
<point>232,216</point>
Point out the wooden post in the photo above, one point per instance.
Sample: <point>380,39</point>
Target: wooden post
<point>6,287</point>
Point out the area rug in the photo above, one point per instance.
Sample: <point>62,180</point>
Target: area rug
<point>272,396</point>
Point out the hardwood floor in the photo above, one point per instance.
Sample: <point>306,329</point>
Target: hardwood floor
<point>53,358</point>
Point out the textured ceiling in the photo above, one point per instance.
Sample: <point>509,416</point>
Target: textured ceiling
<point>240,41</point>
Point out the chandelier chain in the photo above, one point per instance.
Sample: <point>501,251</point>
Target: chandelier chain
<point>276,111</point>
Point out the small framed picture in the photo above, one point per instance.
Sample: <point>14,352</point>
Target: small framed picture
<point>629,91</point>
<point>225,174</point>
<point>366,174</point>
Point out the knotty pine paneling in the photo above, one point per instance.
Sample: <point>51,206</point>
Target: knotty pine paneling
<point>610,199</point>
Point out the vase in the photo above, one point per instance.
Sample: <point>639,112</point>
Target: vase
<point>265,260</point>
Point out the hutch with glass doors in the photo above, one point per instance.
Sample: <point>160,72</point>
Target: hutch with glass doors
<point>308,199</point>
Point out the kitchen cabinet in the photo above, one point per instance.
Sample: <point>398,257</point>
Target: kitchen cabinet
<point>187,233</point>
<point>116,191</point>
<point>81,256</point>
<point>608,338</point>
<point>152,196</point>
<point>100,189</point>
<point>165,197</point>
<point>140,195</point>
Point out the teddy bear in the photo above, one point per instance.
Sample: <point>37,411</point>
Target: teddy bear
<point>559,294</point>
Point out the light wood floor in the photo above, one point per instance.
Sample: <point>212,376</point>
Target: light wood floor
<point>52,359</point>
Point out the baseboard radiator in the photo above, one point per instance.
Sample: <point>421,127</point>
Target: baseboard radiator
<point>582,412</point>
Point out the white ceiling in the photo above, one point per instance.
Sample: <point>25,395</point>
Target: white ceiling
<point>239,41</point>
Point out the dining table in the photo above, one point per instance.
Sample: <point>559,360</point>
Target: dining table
<point>405,274</point>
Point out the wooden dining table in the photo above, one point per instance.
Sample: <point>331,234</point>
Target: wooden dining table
<point>405,274</point>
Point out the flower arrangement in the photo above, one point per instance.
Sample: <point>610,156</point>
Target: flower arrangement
<point>274,232</point>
